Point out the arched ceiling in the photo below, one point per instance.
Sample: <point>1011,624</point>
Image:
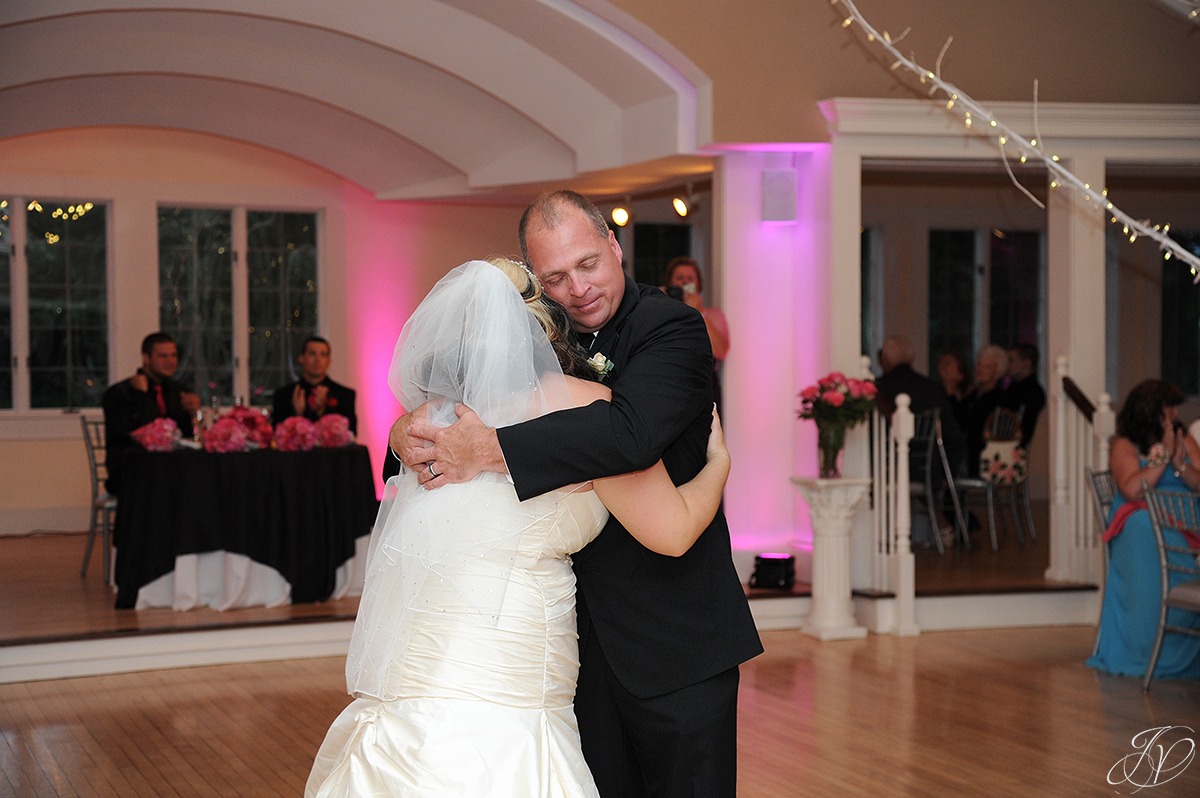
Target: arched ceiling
<point>412,99</point>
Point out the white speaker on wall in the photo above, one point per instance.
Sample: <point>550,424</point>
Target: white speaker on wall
<point>779,195</point>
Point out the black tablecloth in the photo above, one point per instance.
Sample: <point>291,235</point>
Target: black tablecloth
<point>297,512</point>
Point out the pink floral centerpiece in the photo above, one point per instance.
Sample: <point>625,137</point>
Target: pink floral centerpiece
<point>226,435</point>
<point>258,428</point>
<point>295,434</point>
<point>837,403</point>
<point>159,435</point>
<point>333,430</point>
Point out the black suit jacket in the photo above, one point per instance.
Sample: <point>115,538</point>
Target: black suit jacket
<point>340,401</point>
<point>925,395</point>
<point>663,622</point>
<point>1028,398</point>
<point>126,409</point>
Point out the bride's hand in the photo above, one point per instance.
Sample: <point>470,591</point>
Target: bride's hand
<point>716,438</point>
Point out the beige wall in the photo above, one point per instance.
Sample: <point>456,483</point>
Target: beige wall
<point>770,60</point>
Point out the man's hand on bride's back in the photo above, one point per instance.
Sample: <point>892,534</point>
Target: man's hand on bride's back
<point>460,452</point>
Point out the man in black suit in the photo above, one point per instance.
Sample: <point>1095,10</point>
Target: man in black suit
<point>150,393</point>
<point>895,361</point>
<point>1024,394</point>
<point>661,638</point>
<point>314,394</point>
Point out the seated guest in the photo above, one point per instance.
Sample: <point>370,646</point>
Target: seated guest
<point>991,364</point>
<point>895,361</point>
<point>952,373</point>
<point>150,393</point>
<point>1148,447</point>
<point>314,394</point>
<point>1024,396</point>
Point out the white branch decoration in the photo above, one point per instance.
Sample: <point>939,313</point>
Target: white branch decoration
<point>973,114</point>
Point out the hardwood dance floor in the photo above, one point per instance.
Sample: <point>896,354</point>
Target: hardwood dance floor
<point>976,713</point>
<point>973,713</point>
<point>44,599</point>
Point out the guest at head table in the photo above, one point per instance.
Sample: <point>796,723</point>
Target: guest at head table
<point>1150,447</point>
<point>314,394</point>
<point>151,393</point>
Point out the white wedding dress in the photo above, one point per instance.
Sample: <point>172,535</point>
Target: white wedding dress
<point>465,655</point>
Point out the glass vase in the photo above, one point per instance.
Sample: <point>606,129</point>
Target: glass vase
<point>831,439</point>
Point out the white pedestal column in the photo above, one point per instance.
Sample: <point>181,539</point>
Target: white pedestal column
<point>831,506</point>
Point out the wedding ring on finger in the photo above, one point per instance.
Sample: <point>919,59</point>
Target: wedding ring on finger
<point>433,473</point>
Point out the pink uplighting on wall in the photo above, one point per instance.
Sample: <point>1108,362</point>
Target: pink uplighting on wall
<point>381,292</point>
<point>776,293</point>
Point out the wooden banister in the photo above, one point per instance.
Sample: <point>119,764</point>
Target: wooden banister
<point>1079,399</point>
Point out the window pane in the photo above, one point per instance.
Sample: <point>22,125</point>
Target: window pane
<point>6,371</point>
<point>68,303</point>
<point>952,268</point>
<point>654,245</point>
<point>195,306</point>
<point>1181,319</point>
<point>282,270</point>
<point>1016,277</point>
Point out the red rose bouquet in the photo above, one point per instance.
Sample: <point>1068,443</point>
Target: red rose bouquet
<point>333,430</point>
<point>295,434</point>
<point>226,435</point>
<point>836,403</point>
<point>157,436</point>
<point>258,428</point>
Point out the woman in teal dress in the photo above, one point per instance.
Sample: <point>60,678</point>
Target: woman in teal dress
<point>1149,447</point>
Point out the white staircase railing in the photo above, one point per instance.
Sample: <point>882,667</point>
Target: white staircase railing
<point>1081,437</point>
<point>892,567</point>
<point>1082,434</point>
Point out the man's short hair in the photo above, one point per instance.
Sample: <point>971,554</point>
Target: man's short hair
<point>314,339</point>
<point>546,211</point>
<point>154,339</point>
<point>1028,353</point>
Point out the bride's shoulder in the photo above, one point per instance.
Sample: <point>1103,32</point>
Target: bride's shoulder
<point>584,392</point>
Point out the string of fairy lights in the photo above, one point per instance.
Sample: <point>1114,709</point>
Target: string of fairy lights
<point>1189,8</point>
<point>979,120</point>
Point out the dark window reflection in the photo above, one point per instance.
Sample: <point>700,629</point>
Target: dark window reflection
<point>68,304</point>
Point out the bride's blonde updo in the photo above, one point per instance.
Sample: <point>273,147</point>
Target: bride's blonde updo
<point>551,315</point>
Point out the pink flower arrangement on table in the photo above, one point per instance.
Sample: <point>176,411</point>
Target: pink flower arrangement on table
<point>295,434</point>
<point>838,400</point>
<point>159,435</point>
<point>258,428</point>
<point>226,435</point>
<point>333,430</point>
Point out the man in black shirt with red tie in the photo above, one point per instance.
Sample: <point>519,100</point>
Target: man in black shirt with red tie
<point>314,394</point>
<point>150,393</point>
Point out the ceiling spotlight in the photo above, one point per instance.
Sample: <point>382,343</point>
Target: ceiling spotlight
<point>685,203</point>
<point>620,214</point>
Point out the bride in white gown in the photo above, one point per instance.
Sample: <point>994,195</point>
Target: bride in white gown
<point>463,660</point>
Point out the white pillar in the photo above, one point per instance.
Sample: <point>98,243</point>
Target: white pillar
<point>831,503</point>
<point>1075,272</point>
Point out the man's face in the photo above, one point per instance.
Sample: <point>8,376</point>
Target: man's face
<point>162,361</point>
<point>579,268</point>
<point>314,361</point>
<point>1018,367</point>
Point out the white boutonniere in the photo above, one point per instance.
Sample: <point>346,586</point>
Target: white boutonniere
<point>601,364</point>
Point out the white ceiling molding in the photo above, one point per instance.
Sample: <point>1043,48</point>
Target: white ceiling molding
<point>412,99</point>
